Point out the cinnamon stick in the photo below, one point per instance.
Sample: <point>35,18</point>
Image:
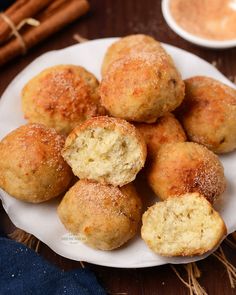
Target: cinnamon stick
<point>52,19</point>
<point>19,11</point>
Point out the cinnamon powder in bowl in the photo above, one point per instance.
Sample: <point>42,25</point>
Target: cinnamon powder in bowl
<point>209,23</point>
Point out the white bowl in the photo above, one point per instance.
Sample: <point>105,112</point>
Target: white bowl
<point>190,37</point>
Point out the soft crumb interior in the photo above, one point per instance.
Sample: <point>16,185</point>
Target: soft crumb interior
<point>186,226</point>
<point>105,155</point>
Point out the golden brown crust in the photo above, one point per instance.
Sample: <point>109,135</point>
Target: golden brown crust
<point>187,167</point>
<point>166,129</point>
<point>129,45</point>
<point>142,87</point>
<point>208,113</point>
<point>104,216</point>
<point>61,97</point>
<point>185,225</point>
<point>31,166</point>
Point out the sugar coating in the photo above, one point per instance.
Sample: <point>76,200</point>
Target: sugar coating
<point>31,166</point>
<point>166,129</point>
<point>105,217</point>
<point>128,46</point>
<point>142,85</point>
<point>208,113</point>
<point>186,167</point>
<point>61,97</point>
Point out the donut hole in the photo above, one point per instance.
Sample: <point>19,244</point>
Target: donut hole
<point>105,155</point>
<point>208,114</point>
<point>61,97</point>
<point>31,166</point>
<point>185,225</point>
<point>186,167</point>
<point>102,216</point>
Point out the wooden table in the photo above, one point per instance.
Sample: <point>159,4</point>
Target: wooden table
<point>109,18</point>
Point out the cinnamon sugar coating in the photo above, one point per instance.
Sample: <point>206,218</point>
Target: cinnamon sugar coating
<point>211,19</point>
<point>61,97</point>
<point>129,45</point>
<point>103,216</point>
<point>142,86</point>
<point>31,166</point>
<point>186,167</point>
<point>166,129</point>
<point>208,113</point>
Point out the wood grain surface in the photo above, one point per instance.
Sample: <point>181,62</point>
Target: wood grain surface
<point>108,18</point>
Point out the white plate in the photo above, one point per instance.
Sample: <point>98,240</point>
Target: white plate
<point>41,220</point>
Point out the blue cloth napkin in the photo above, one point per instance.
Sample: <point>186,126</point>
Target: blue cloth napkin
<point>23,272</point>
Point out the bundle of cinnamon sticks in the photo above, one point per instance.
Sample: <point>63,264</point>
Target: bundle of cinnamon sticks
<point>28,22</point>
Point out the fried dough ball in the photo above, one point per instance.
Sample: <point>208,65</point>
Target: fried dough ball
<point>186,167</point>
<point>107,150</point>
<point>31,166</point>
<point>61,97</point>
<point>142,87</point>
<point>185,225</point>
<point>166,129</point>
<point>105,217</point>
<point>208,114</point>
<point>127,46</point>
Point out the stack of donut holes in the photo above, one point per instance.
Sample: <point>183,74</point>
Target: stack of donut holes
<point>86,142</point>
